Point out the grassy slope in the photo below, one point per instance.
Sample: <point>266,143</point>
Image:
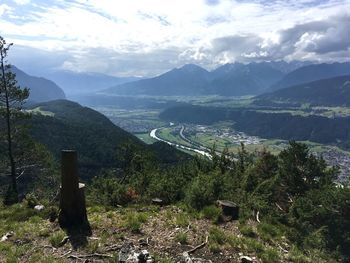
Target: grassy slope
<point>169,230</point>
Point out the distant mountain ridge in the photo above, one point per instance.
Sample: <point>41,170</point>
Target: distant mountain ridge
<point>331,92</point>
<point>78,83</point>
<point>40,89</point>
<point>312,73</point>
<point>235,79</point>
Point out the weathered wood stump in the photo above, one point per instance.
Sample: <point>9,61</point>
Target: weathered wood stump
<point>229,209</point>
<point>72,196</point>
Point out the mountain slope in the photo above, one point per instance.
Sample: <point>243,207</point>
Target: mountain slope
<point>187,80</point>
<point>41,89</point>
<point>78,83</point>
<point>331,92</point>
<point>67,125</point>
<point>238,79</point>
<point>312,73</point>
<point>190,80</point>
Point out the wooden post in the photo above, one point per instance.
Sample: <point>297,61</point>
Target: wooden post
<point>72,196</point>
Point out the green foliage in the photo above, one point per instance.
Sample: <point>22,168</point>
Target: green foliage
<point>216,235</point>
<point>182,220</point>
<point>204,190</point>
<point>133,221</point>
<point>268,231</point>
<point>247,231</point>
<point>212,212</point>
<point>181,238</point>
<point>110,192</point>
<point>56,238</point>
<point>270,256</point>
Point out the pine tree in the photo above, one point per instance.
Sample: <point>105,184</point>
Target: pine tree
<point>12,98</point>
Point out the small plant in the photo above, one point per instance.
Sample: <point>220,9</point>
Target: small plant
<point>247,231</point>
<point>214,248</point>
<point>267,231</point>
<point>270,256</point>
<point>134,221</point>
<point>57,238</point>
<point>181,238</point>
<point>181,220</point>
<point>93,246</point>
<point>212,212</point>
<point>31,200</point>
<point>252,245</point>
<point>218,236</point>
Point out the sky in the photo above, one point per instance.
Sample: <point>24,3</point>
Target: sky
<point>148,37</point>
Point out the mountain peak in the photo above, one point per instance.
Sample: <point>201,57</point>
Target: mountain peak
<point>191,68</point>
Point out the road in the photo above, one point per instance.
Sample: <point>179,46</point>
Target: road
<point>153,134</point>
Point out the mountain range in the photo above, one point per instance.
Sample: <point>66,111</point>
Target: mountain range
<point>311,73</point>
<point>75,83</point>
<point>331,92</point>
<point>40,89</point>
<point>234,79</point>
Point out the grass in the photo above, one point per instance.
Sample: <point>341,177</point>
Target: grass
<point>270,255</point>
<point>57,238</point>
<point>212,212</point>
<point>182,220</point>
<point>268,232</point>
<point>216,235</point>
<point>247,231</point>
<point>114,226</point>
<point>181,238</point>
<point>134,220</point>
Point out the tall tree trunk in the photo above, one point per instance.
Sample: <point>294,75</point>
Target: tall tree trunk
<point>12,194</point>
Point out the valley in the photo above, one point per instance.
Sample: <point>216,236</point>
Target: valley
<point>146,124</point>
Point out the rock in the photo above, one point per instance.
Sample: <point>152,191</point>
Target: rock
<point>39,207</point>
<point>187,259</point>
<point>7,236</point>
<point>129,254</point>
<point>246,259</point>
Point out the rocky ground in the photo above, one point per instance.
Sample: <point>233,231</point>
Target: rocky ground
<point>140,234</point>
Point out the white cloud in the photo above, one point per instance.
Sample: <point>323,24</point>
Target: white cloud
<point>206,32</point>
<point>22,2</point>
<point>4,8</point>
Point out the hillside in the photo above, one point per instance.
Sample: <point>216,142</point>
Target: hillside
<point>185,81</point>
<point>74,83</point>
<point>41,89</point>
<point>228,80</point>
<point>328,92</point>
<point>64,124</point>
<point>239,79</point>
<point>312,73</point>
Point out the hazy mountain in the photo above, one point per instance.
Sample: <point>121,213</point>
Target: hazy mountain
<point>187,80</point>
<point>287,67</point>
<point>311,73</point>
<point>41,89</point>
<point>78,83</point>
<point>239,79</point>
<point>332,91</point>
<point>228,80</point>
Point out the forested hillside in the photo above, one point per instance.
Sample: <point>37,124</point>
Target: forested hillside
<point>41,89</point>
<point>325,92</point>
<point>64,124</point>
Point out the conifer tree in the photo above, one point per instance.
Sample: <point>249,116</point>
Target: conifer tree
<point>12,98</point>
